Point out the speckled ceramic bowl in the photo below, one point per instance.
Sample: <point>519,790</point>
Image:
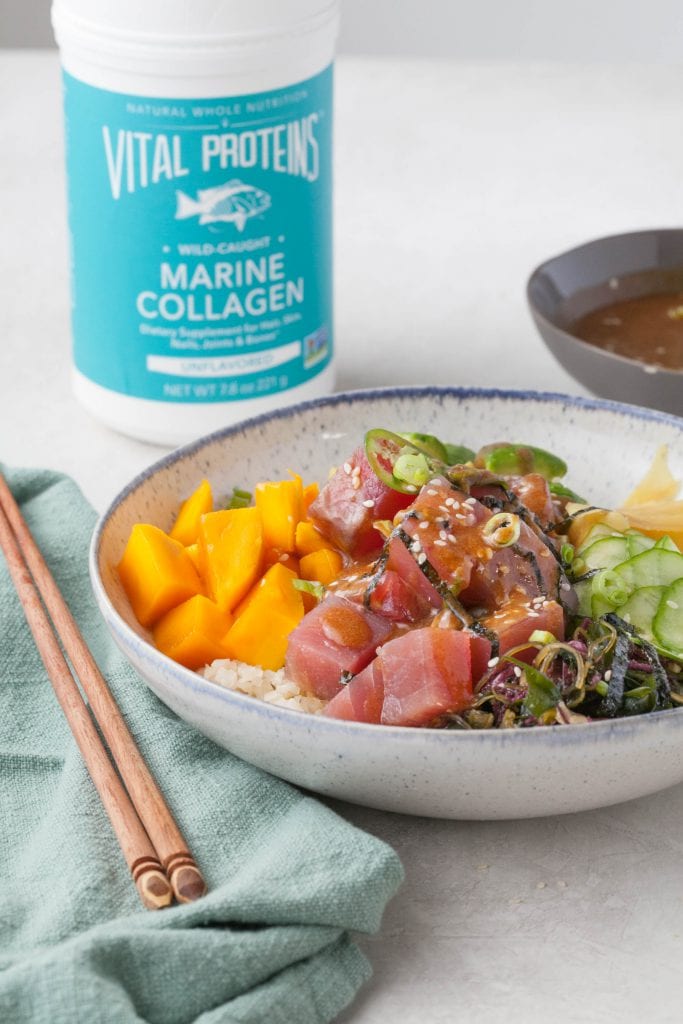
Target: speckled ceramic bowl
<point>508,774</point>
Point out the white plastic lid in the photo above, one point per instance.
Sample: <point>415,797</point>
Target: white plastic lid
<point>192,22</point>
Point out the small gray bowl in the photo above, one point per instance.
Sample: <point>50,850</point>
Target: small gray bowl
<point>596,274</point>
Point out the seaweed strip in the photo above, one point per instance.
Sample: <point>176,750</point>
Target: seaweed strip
<point>614,698</point>
<point>650,652</point>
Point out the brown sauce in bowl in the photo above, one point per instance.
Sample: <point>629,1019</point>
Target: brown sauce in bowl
<point>648,328</point>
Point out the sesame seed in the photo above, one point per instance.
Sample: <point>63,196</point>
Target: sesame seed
<point>671,604</point>
<point>284,558</point>
<point>492,661</point>
<point>355,482</point>
<point>533,615</point>
<point>608,675</point>
<point>347,468</point>
<point>416,546</point>
<point>355,471</point>
<point>451,538</point>
<point>460,516</point>
<point>430,490</point>
<point>518,672</point>
<point>440,543</point>
<point>450,502</point>
<point>369,503</point>
<point>424,525</point>
<point>442,534</point>
<point>470,501</point>
<point>421,559</point>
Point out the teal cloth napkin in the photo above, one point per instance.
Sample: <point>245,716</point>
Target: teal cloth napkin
<point>288,878</point>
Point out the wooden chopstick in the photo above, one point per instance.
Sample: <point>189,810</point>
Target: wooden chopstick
<point>157,821</point>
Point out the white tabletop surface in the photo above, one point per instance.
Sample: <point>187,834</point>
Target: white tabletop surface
<point>452,182</point>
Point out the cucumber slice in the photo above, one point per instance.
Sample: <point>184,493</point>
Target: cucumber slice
<point>606,552</point>
<point>641,608</point>
<point>667,544</point>
<point>638,542</point>
<point>654,568</point>
<point>668,622</point>
<point>595,533</point>
<point>600,607</point>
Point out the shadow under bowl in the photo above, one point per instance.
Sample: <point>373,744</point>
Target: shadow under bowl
<point>597,274</point>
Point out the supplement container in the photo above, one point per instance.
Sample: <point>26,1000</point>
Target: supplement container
<point>199,180</point>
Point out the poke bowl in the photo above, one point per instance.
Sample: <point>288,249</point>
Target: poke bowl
<point>466,773</point>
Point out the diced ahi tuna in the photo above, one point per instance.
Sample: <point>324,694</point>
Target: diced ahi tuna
<point>480,654</point>
<point>362,698</point>
<point>420,675</point>
<point>527,568</point>
<point>404,564</point>
<point>426,673</point>
<point>534,493</point>
<point>349,504</point>
<point>335,637</point>
<point>515,623</point>
<point>396,600</point>
<point>447,526</point>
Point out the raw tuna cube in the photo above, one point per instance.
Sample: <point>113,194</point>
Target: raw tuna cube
<point>413,679</point>
<point>362,698</point>
<point>404,564</point>
<point>447,527</point>
<point>515,623</point>
<point>349,504</point>
<point>480,653</point>
<point>426,673</point>
<point>337,636</point>
<point>395,599</point>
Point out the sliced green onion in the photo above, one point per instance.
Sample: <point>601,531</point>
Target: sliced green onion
<point>311,587</point>
<point>611,587</point>
<point>542,636</point>
<point>567,554</point>
<point>502,529</point>
<point>239,498</point>
<point>412,469</point>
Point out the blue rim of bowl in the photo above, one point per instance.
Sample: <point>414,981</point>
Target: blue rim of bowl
<point>187,679</point>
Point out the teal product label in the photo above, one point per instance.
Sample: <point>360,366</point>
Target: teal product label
<point>201,234</point>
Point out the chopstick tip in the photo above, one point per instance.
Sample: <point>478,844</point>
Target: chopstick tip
<point>154,889</point>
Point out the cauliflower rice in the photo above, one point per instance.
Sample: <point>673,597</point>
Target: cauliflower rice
<point>272,687</point>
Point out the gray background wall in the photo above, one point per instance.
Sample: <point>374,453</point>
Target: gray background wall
<point>594,30</point>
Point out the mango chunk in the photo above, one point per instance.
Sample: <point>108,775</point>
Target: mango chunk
<point>186,527</point>
<point>272,555</point>
<point>270,612</point>
<point>230,553</point>
<point>307,538</point>
<point>193,633</point>
<point>323,566</point>
<point>193,552</point>
<point>281,506</point>
<point>311,492</point>
<point>156,572</point>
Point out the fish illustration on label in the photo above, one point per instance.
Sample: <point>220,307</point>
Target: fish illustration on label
<point>232,203</point>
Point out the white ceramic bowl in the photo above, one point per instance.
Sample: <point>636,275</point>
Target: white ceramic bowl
<point>496,774</point>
